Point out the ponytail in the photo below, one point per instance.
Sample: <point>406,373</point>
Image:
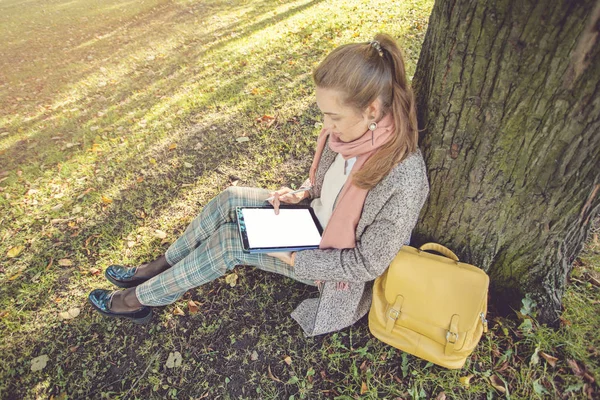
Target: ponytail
<point>365,72</point>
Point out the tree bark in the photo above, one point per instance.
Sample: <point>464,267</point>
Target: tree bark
<point>508,100</point>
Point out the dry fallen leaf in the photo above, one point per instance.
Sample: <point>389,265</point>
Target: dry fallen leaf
<point>497,383</point>
<point>363,388</point>
<point>174,360</point>
<point>72,313</point>
<point>39,363</point>
<point>94,271</point>
<point>160,234</point>
<point>254,356</point>
<point>265,118</point>
<point>95,148</point>
<point>15,251</point>
<point>140,179</point>
<point>106,200</point>
<point>65,262</point>
<point>231,279</point>
<point>550,359</point>
<point>575,367</point>
<point>242,139</point>
<point>172,146</point>
<point>288,360</point>
<point>193,307</point>
<point>178,311</point>
<point>503,367</point>
<point>187,165</point>
<point>17,274</point>
<point>441,396</point>
<point>564,321</point>
<point>466,381</point>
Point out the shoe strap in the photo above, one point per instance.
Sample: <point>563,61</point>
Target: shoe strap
<point>110,298</point>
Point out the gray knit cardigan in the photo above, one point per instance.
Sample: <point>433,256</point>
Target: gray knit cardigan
<point>389,215</point>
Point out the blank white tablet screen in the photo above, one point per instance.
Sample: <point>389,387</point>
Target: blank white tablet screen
<point>292,227</point>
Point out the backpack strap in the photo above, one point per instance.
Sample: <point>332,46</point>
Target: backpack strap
<point>452,335</point>
<point>393,313</point>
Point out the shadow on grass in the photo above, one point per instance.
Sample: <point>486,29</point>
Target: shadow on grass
<point>118,222</point>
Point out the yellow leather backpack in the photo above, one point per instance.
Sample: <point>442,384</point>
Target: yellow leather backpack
<point>431,306</point>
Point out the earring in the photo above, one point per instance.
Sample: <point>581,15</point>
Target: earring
<point>372,127</point>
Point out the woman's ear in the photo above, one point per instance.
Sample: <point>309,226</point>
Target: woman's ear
<point>373,111</point>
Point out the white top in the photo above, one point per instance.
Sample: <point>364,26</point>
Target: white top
<point>334,181</point>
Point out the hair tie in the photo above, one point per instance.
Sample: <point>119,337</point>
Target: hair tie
<point>377,46</point>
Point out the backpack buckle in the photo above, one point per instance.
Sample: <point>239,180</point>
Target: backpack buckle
<point>454,336</point>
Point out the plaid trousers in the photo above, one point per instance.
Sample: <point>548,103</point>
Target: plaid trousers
<point>209,247</point>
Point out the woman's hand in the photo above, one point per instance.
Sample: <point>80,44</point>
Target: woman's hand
<point>283,196</point>
<point>285,256</point>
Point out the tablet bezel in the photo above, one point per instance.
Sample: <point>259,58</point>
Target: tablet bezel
<point>244,237</point>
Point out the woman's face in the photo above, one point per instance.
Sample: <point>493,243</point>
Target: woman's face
<point>344,122</point>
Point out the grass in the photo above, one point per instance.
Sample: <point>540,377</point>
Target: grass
<point>118,122</point>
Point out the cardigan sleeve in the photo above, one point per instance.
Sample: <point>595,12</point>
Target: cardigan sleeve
<point>311,192</point>
<point>375,249</point>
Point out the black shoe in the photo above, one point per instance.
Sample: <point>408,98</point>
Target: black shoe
<point>123,276</point>
<point>101,299</point>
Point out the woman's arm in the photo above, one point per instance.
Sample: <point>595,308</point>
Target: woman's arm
<point>375,249</point>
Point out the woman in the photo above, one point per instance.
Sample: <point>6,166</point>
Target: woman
<point>368,185</point>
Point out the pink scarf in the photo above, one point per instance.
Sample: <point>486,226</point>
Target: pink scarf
<point>340,232</point>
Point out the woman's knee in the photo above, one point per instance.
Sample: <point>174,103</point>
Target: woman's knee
<point>227,198</point>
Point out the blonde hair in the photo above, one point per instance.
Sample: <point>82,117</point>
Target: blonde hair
<point>362,74</point>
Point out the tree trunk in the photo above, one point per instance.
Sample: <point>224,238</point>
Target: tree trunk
<point>508,97</point>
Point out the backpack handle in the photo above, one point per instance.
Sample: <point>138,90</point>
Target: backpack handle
<point>440,249</point>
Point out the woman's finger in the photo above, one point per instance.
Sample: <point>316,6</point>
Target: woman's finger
<point>276,203</point>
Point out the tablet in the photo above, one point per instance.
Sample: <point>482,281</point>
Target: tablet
<point>295,228</point>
